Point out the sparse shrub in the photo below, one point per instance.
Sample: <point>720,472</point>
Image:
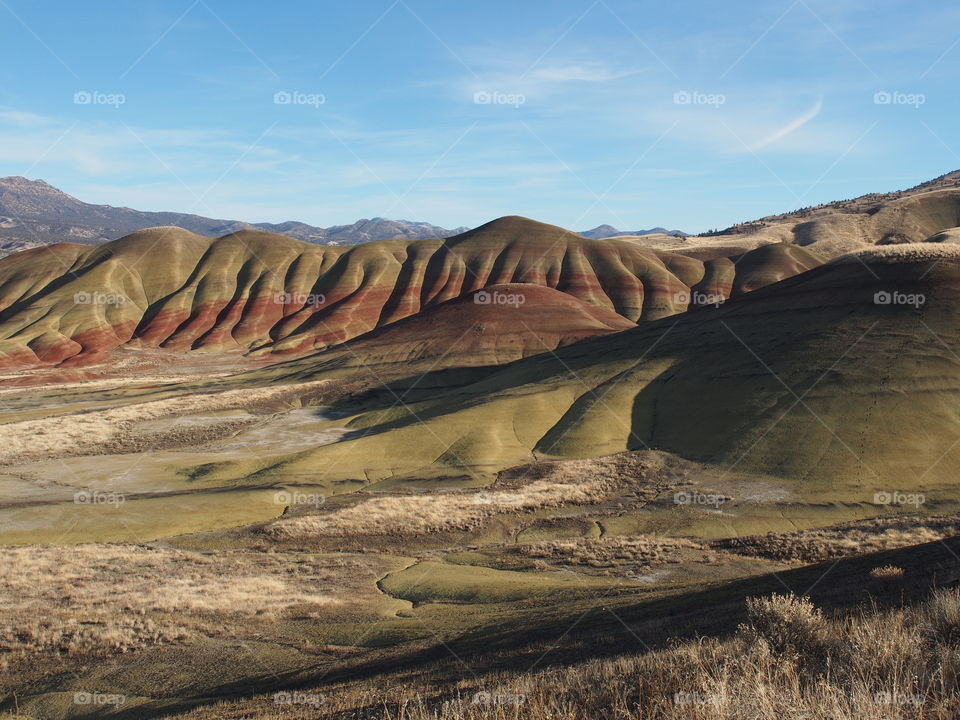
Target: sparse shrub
<point>792,627</point>
<point>941,618</point>
<point>887,571</point>
<point>788,623</point>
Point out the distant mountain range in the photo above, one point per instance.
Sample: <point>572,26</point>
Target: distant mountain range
<point>607,231</point>
<point>33,213</point>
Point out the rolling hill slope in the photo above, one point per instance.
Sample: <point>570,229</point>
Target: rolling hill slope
<point>269,295</point>
<point>910,216</point>
<point>843,381</point>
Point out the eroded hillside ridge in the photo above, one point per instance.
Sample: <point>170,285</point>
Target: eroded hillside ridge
<point>268,295</point>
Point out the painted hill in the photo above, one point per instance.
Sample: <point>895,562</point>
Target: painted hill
<point>493,326</point>
<point>264,294</point>
<point>840,383</point>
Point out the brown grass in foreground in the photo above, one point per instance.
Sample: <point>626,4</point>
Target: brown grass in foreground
<point>789,661</point>
<point>114,598</point>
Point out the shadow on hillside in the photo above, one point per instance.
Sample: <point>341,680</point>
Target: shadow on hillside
<point>608,626</point>
<point>406,391</point>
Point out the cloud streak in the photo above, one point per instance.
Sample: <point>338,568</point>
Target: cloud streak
<point>791,127</point>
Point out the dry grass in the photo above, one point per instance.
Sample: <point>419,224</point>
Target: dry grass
<point>788,661</point>
<point>414,514</point>
<point>422,514</point>
<point>941,620</point>
<point>93,598</point>
<point>847,540</point>
<point>518,489</point>
<point>92,432</point>
<point>887,571</point>
<point>609,552</point>
<point>905,252</point>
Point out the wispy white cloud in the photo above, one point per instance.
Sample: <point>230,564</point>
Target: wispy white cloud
<point>19,118</point>
<point>296,173</point>
<point>791,127</point>
<point>593,72</point>
<point>577,70</point>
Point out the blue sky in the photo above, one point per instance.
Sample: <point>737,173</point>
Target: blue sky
<point>685,114</point>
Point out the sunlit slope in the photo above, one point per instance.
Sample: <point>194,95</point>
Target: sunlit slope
<point>809,380</point>
<point>268,295</point>
<point>850,225</point>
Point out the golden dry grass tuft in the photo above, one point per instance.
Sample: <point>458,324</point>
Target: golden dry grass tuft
<point>887,571</point>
